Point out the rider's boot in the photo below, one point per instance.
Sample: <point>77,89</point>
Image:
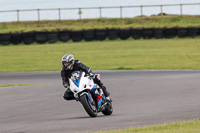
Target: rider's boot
<point>106,93</point>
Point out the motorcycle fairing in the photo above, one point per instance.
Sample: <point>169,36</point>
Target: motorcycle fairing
<point>77,81</point>
<point>99,98</point>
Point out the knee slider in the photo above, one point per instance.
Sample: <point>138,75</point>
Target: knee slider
<point>68,95</point>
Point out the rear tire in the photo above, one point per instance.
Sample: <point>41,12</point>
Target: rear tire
<point>89,108</point>
<point>108,110</point>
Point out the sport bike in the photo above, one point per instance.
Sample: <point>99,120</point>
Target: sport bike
<point>89,94</point>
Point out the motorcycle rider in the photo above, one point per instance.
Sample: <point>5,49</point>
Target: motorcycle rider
<point>69,66</point>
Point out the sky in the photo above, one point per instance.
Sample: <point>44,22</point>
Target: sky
<point>35,4</point>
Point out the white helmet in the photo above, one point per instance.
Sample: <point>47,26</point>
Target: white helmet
<point>68,58</point>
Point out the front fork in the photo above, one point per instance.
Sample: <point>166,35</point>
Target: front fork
<point>90,98</point>
<point>88,93</point>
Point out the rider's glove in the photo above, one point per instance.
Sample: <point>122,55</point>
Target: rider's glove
<point>92,75</point>
<point>66,86</point>
<point>97,76</point>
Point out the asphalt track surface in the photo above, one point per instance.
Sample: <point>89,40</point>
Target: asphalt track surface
<point>140,98</point>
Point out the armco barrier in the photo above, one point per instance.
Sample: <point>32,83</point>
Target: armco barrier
<point>124,33</point>
<point>193,31</point>
<point>5,38</point>
<point>77,36</point>
<point>89,35</point>
<point>64,35</point>
<point>96,34</point>
<point>113,34</point>
<point>136,33</point>
<point>16,38</point>
<point>28,37</point>
<point>100,34</point>
<point>41,37</point>
<point>52,36</point>
<point>159,33</point>
<point>182,32</point>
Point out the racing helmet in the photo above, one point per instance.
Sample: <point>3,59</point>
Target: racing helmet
<point>68,58</point>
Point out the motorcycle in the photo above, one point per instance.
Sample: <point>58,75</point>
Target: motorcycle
<point>89,94</point>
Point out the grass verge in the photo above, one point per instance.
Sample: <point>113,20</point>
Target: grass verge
<point>8,85</point>
<point>137,22</point>
<point>178,127</point>
<point>106,55</point>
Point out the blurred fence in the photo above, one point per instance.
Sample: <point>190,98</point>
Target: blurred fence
<point>99,12</point>
<point>96,34</point>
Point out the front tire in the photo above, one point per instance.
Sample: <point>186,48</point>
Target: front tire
<point>89,108</point>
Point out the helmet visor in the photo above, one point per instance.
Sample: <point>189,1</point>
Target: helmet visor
<point>67,65</point>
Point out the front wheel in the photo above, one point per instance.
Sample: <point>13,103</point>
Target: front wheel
<point>108,110</point>
<point>88,106</point>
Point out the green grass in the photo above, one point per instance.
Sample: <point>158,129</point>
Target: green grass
<point>106,55</point>
<point>178,127</point>
<point>7,85</point>
<point>137,22</point>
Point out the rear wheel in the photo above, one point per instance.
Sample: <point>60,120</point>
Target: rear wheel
<point>108,110</point>
<point>89,107</point>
